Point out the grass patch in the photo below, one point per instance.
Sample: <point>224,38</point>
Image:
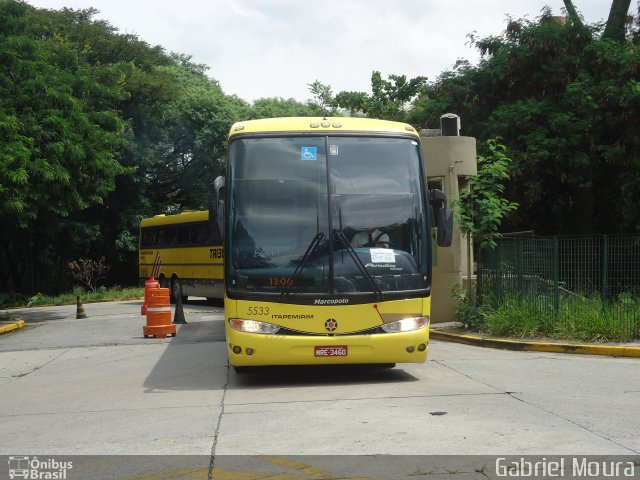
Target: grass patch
<point>69,298</point>
<point>514,318</point>
<point>578,318</point>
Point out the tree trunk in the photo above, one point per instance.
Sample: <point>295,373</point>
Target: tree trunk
<point>617,19</point>
<point>572,13</point>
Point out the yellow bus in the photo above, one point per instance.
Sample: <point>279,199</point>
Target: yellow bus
<point>328,228</point>
<point>184,252</point>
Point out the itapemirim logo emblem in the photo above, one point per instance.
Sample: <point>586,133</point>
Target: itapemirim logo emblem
<point>331,324</point>
<point>33,468</point>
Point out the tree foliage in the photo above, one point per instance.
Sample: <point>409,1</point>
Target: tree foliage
<point>57,121</point>
<point>482,207</point>
<point>322,97</point>
<point>97,129</point>
<point>564,97</point>
<point>389,99</point>
<point>280,107</point>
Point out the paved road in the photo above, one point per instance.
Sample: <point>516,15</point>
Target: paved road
<point>96,386</point>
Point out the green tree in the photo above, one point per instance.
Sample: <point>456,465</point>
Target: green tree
<point>562,96</point>
<point>480,211</point>
<point>97,129</point>
<point>190,151</point>
<point>59,128</point>
<point>482,207</point>
<point>280,107</point>
<point>389,99</point>
<point>322,96</point>
<point>111,229</point>
<point>60,136</point>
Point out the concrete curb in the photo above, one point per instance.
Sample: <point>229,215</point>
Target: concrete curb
<point>523,345</point>
<point>11,325</point>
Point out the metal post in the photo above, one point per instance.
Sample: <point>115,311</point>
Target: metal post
<point>556,279</point>
<point>605,268</point>
<point>519,272</point>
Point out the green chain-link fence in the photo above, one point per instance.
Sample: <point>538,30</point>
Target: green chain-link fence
<point>561,274</point>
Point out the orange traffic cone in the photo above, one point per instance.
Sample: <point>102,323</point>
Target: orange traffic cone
<point>159,314</point>
<point>148,285</point>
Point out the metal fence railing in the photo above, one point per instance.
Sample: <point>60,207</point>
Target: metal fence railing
<point>555,274</point>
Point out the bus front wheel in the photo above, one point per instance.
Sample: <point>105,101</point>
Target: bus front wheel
<point>176,291</point>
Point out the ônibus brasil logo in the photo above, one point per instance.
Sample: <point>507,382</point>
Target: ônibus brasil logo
<point>33,468</point>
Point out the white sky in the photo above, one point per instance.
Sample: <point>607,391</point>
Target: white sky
<point>274,48</point>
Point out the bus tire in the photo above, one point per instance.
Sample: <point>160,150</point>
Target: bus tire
<point>215,301</point>
<point>176,290</point>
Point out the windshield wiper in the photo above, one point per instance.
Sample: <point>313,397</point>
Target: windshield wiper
<point>339,235</point>
<point>313,247</point>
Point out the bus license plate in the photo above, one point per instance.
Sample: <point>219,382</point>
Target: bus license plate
<point>333,351</point>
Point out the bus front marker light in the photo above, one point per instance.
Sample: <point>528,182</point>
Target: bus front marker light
<point>406,325</point>
<point>411,348</point>
<point>249,351</point>
<point>422,347</point>
<point>237,350</point>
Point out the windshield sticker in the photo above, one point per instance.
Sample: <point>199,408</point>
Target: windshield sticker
<point>382,255</point>
<point>309,153</point>
<point>333,150</point>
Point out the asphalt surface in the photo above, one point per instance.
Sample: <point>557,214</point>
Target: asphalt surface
<point>96,386</point>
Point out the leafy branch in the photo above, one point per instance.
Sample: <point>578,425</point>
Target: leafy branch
<point>482,207</point>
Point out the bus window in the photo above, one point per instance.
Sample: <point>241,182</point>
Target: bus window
<point>183,235</point>
<point>171,236</point>
<point>147,237</point>
<point>159,237</point>
<point>199,233</point>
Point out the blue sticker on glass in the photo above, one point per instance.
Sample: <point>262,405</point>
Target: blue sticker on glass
<point>309,153</point>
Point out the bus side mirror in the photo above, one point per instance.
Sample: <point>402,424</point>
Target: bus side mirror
<point>219,186</point>
<point>443,216</point>
<point>445,227</point>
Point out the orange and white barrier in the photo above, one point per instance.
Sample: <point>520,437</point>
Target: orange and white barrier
<point>159,322</point>
<point>148,285</point>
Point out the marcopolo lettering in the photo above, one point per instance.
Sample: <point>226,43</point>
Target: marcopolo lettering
<point>330,301</point>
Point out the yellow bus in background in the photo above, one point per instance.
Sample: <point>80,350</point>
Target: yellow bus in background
<point>184,252</point>
<point>328,228</point>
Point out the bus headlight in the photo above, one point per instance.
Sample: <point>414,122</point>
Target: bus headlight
<point>253,326</point>
<point>406,325</point>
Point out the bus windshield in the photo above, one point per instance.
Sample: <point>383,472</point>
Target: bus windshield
<point>315,215</point>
